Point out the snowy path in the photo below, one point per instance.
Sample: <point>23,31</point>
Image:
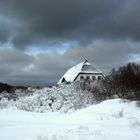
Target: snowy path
<point>111,119</point>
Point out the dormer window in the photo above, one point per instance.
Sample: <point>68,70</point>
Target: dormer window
<point>88,77</point>
<point>99,77</point>
<point>93,78</point>
<point>81,77</point>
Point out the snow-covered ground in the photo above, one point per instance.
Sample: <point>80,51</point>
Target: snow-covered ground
<point>111,119</point>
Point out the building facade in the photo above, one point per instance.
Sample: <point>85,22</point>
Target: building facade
<point>82,71</point>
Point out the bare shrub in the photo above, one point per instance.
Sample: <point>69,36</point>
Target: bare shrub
<point>138,103</point>
<point>120,114</point>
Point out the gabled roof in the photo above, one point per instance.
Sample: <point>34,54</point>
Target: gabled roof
<point>83,67</point>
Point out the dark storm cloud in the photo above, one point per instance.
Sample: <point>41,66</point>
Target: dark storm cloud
<point>18,68</point>
<point>12,61</point>
<point>4,31</point>
<point>82,20</point>
<point>3,35</point>
<point>106,54</point>
<point>106,32</point>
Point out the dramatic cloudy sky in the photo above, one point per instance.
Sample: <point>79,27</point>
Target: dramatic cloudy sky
<point>41,39</point>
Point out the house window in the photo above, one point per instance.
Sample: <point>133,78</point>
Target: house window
<point>81,77</point>
<point>93,78</point>
<point>99,77</point>
<point>88,77</point>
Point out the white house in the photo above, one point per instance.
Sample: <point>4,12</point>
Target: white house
<point>81,71</point>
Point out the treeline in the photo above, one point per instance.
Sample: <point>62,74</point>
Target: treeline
<point>7,88</point>
<point>126,77</point>
<point>123,82</point>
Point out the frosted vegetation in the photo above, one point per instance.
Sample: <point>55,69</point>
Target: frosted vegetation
<point>64,98</point>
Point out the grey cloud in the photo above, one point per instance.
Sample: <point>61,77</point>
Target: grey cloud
<point>12,61</point>
<point>19,68</point>
<point>81,20</point>
<point>12,56</point>
<point>4,32</point>
<point>46,68</point>
<point>105,54</point>
<point>3,35</point>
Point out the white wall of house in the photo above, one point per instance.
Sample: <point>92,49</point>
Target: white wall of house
<point>89,76</point>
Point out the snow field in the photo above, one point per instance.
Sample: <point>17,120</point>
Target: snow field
<point>111,119</point>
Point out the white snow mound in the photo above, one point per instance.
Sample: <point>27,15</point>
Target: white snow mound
<point>111,119</point>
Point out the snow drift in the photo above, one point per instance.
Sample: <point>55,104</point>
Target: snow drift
<point>111,119</point>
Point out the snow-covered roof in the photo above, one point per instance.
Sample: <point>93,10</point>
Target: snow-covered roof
<point>83,67</point>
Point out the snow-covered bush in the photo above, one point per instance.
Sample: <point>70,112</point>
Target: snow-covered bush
<point>138,103</point>
<point>63,98</point>
<point>5,103</point>
<point>7,95</point>
<point>118,115</point>
<point>100,89</point>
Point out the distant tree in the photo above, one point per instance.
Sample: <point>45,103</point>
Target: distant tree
<point>129,76</point>
<point>6,88</point>
<point>124,80</point>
